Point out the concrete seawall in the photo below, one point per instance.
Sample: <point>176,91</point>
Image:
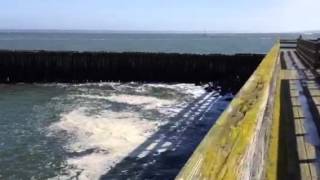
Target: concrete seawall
<point>74,67</point>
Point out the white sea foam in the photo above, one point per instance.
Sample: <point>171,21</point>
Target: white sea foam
<point>164,106</point>
<point>111,135</point>
<point>96,142</point>
<point>188,89</point>
<point>148,102</point>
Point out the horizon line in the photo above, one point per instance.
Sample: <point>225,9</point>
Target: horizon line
<point>153,31</point>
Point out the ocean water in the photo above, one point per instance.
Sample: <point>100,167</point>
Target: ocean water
<point>63,131</point>
<point>142,42</point>
<point>81,131</point>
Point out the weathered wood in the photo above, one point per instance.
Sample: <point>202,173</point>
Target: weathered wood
<point>43,66</point>
<point>309,50</point>
<point>230,149</point>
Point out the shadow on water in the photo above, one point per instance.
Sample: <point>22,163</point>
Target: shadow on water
<point>165,152</point>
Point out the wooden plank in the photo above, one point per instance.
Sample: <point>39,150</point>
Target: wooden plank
<point>309,74</point>
<point>297,112</point>
<point>316,100</point>
<point>293,87</point>
<point>294,93</point>
<point>295,101</point>
<point>273,162</point>
<point>301,114</point>
<point>311,151</point>
<point>302,154</point>
<point>312,85</point>
<point>306,153</point>
<point>289,74</point>
<point>305,150</point>
<point>297,61</point>
<point>313,171</point>
<point>312,88</point>
<point>292,83</point>
<point>305,171</point>
<point>298,129</point>
<point>315,92</point>
<point>310,82</point>
<point>311,156</point>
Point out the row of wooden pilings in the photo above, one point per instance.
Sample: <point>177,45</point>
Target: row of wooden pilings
<point>75,67</point>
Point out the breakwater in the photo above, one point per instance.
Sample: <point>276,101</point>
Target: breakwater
<point>75,67</point>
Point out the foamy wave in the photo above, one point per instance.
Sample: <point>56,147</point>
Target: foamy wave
<point>189,89</point>
<point>98,138</point>
<point>147,102</point>
<point>98,84</point>
<point>108,137</point>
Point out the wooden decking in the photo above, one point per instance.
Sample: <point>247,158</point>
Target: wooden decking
<point>301,92</point>
<point>282,137</point>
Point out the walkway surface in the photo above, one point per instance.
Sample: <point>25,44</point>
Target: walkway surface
<point>300,122</point>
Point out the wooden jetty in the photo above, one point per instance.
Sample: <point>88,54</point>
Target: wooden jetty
<point>229,71</point>
<point>271,128</point>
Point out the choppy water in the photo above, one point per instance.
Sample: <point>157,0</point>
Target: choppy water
<point>64,131</point>
<point>143,42</point>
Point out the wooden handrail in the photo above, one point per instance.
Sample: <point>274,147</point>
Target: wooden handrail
<point>309,50</point>
<point>227,151</point>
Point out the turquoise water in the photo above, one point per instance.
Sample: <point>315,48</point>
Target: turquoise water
<point>142,42</point>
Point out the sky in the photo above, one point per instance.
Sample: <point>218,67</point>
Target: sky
<point>162,15</point>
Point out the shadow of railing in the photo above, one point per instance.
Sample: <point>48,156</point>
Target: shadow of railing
<point>288,166</point>
<point>163,154</point>
<point>299,116</point>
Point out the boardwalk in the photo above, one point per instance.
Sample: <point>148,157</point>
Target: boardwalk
<point>271,129</point>
<point>300,94</point>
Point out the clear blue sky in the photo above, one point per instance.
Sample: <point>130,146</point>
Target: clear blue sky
<point>162,15</point>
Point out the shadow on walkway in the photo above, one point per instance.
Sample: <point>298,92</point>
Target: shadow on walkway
<point>288,161</point>
<point>164,153</point>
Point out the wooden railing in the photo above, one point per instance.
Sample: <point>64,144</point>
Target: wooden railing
<point>288,41</point>
<point>309,51</point>
<point>237,145</point>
